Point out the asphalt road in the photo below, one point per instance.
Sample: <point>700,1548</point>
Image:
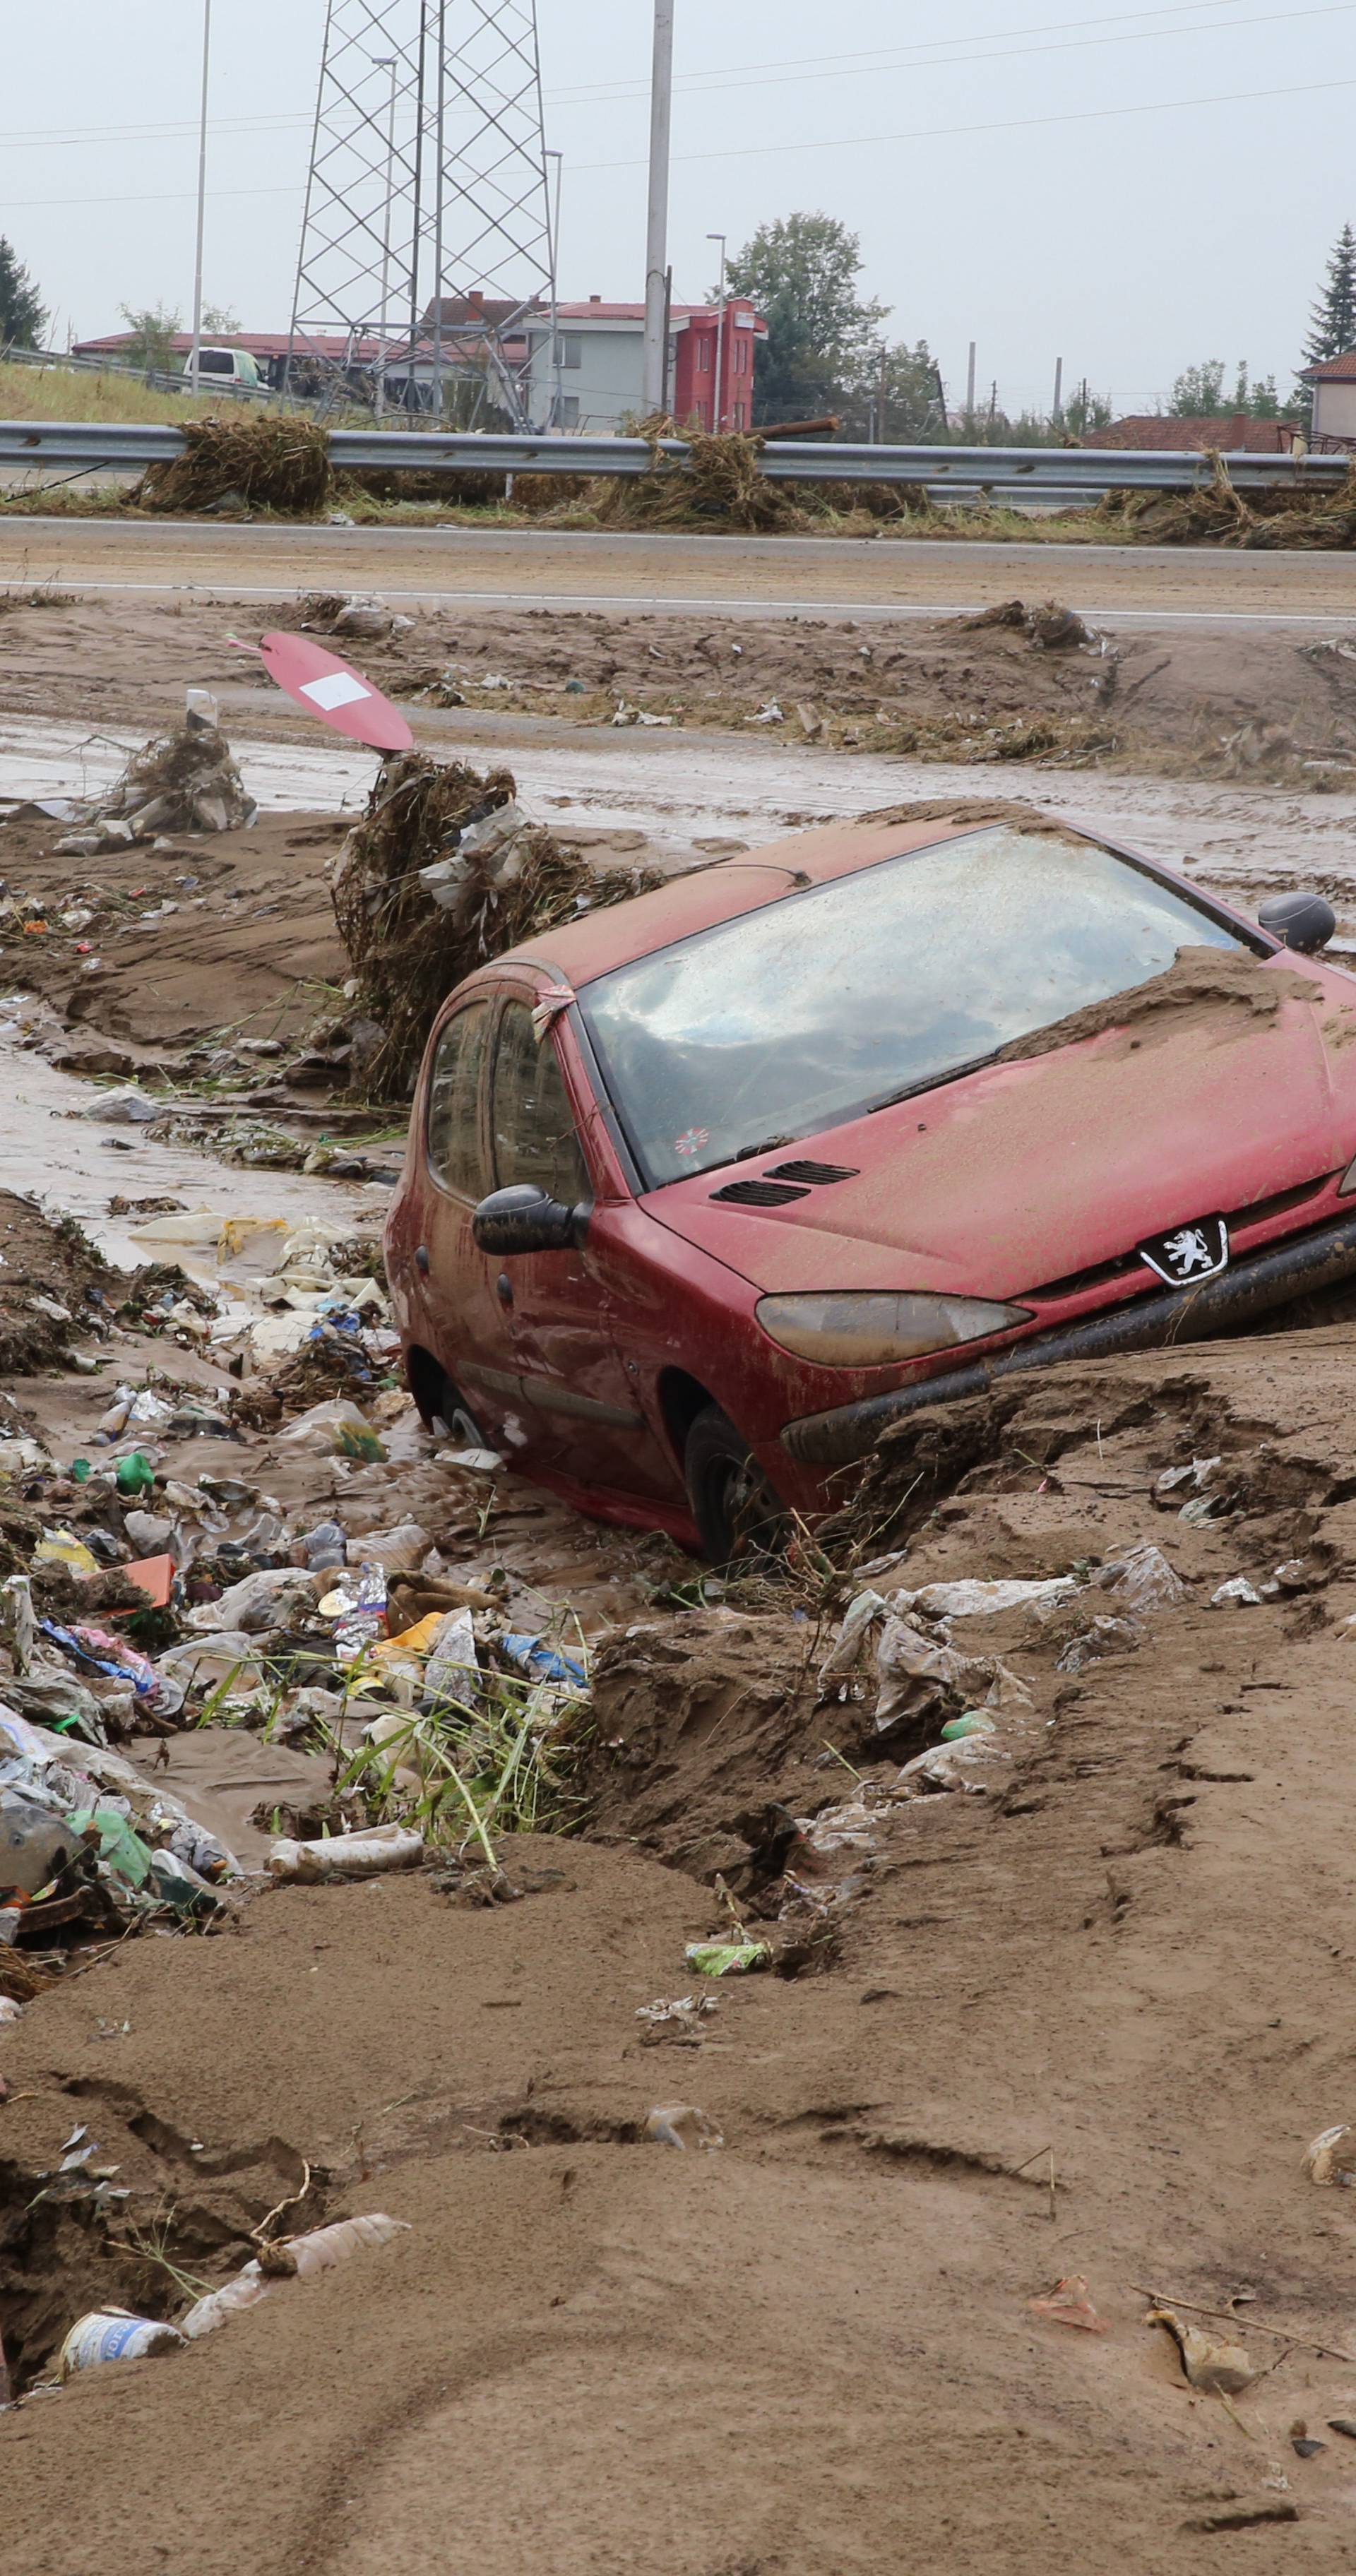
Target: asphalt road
<point>881,578</point>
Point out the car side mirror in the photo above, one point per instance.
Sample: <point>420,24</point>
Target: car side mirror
<point>1301,921</point>
<point>526,1219</point>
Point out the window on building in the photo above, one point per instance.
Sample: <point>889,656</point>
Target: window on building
<point>569,349</point>
<point>569,411</point>
<point>703,355</point>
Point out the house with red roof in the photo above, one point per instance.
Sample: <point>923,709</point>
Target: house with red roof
<point>1334,384</point>
<point>1233,433</point>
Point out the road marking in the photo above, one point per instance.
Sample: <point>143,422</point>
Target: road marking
<point>655,604</point>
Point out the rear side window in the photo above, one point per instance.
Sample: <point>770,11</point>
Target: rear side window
<point>453,1130</point>
<point>533,1125</point>
<point>216,362</point>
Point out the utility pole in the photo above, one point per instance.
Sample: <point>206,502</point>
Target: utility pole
<point>438,219</point>
<point>196,353</point>
<point>882,395</point>
<point>1057,406</point>
<point>411,389</point>
<point>557,403</point>
<point>970,393</point>
<point>657,212</point>
<point>386,63</point>
<point>717,416</point>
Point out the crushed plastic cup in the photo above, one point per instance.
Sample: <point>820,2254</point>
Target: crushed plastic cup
<point>681,2124</point>
<point>114,2334</point>
<point>396,1551</point>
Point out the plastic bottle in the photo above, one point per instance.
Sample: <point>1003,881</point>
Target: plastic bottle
<point>135,1474</point>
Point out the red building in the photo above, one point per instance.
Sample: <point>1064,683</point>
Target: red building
<point>713,369</point>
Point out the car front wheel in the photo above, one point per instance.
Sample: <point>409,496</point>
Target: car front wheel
<point>735,1508</point>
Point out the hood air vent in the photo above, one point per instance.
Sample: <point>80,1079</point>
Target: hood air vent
<point>813,1174</point>
<point>758,1194</point>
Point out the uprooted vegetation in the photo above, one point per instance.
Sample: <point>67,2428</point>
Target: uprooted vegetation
<point>444,872</point>
<point>1219,514</point>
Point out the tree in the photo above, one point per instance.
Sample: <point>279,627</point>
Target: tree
<point>895,397</point>
<point>1332,320</point>
<point>22,311</point>
<point>1198,393</point>
<point>153,328</point>
<point>801,272</point>
<point>219,320</point>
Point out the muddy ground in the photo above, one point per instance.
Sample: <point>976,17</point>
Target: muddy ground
<point>1196,701</point>
<point>1083,2020</point>
<point>1079,2013</point>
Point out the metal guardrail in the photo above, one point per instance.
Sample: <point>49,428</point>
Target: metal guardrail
<point>160,379</point>
<point>1037,472</point>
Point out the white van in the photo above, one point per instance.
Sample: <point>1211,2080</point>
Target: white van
<point>233,366</point>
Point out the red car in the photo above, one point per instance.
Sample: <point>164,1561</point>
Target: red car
<point>702,1190</point>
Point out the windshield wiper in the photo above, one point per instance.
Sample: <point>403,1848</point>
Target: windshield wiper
<point>769,1145</point>
<point>932,1081</point>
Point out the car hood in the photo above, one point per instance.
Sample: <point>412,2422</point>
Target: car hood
<point>1027,1171</point>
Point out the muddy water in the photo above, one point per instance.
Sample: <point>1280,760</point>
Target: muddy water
<point>73,1165</point>
<point>684,790</point>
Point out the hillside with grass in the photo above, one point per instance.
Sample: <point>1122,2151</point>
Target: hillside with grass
<point>77,393</point>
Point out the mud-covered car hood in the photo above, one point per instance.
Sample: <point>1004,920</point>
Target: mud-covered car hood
<point>1030,1170</point>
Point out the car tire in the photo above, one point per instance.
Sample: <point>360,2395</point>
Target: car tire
<point>735,1508</point>
<point>458,1421</point>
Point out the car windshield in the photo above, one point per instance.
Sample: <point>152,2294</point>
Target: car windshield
<point>810,1011</point>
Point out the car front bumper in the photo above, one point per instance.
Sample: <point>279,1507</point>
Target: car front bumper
<point>1298,1266</point>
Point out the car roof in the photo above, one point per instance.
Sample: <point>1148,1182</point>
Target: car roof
<point>619,933</point>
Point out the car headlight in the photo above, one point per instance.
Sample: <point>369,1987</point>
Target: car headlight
<point>874,1328</point>
<point>1347,1183</point>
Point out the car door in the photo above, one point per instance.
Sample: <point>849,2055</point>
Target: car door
<point>579,1403</point>
<point>465,1321</point>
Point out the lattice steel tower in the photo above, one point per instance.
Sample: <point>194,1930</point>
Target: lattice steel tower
<point>427,244</point>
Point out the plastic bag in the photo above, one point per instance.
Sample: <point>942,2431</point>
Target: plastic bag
<point>260,1603</point>
<point>62,1547</point>
<point>204,1663</point>
<point>1142,1577</point>
<point>336,1428</point>
<point>975,1599</point>
<point>727,1958</point>
<point>453,1667</point>
<point>681,2124</point>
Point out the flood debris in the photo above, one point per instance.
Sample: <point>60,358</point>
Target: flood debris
<point>681,2124</point>
<point>241,461</point>
<point>1069,2304</point>
<point>1215,2367</point>
<point>444,871</point>
<point>186,781</point>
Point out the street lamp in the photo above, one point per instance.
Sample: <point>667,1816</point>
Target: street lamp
<point>718,422</point>
<point>195,354</point>
<point>386,63</point>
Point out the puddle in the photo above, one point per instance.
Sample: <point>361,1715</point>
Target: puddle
<point>682,789</point>
<point>71,1165</point>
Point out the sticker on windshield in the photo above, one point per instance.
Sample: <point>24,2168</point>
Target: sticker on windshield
<point>692,1140</point>
<point>1189,1253</point>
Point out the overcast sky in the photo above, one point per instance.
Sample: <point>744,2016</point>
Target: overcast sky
<point>1130,190</point>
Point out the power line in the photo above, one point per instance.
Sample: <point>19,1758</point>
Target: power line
<point>1003,125</point>
<point>787,68</point>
